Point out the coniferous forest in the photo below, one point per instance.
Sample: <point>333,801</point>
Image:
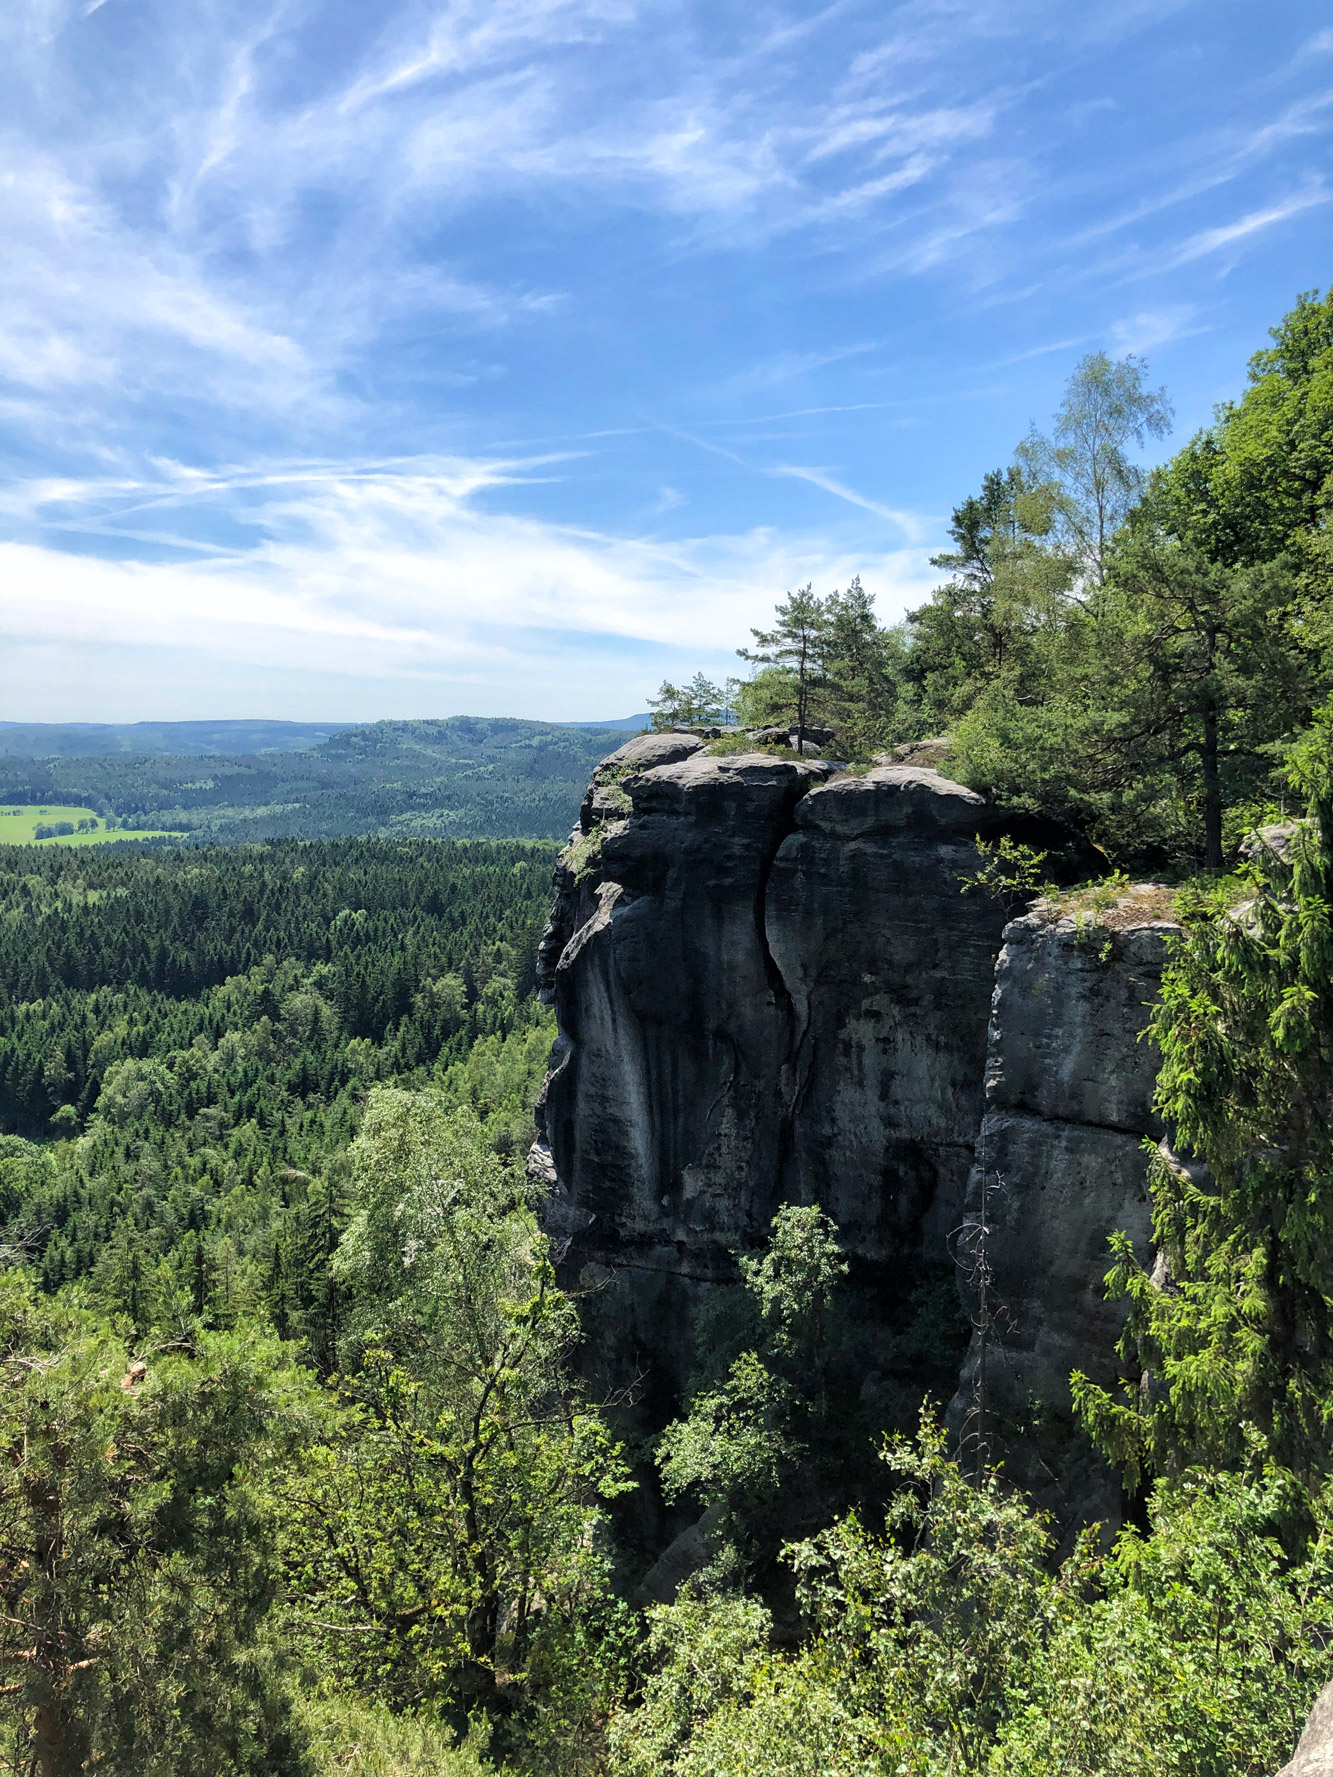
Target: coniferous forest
<point>300,1475</point>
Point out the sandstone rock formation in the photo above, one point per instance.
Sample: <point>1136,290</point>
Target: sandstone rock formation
<point>666,1112</point>
<point>888,969</point>
<point>1060,1166</point>
<point>770,987</point>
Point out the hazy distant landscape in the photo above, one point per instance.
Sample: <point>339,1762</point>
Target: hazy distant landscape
<point>182,740</point>
<point>43,740</point>
<point>463,777</point>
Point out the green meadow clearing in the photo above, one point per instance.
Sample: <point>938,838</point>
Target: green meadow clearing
<point>19,824</point>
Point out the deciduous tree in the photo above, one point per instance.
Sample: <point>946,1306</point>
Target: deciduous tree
<point>1107,407</point>
<point>452,1527</point>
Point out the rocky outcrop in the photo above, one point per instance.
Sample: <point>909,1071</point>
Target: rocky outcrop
<point>604,805</point>
<point>888,967</point>
<point>769,988</point>
<point>1060,1166</point>
<point>667,1112</point>
<point>1313,1756</point>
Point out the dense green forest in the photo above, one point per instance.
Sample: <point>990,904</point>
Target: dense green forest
<point>301,1477</point>
<point>199,1032</point>
<point>464,777</point>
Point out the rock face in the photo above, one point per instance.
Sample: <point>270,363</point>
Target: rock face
<point>1313,1756</point>
<point>887,966</point>
<point>1060,1166</point>
<point>770,988</point>
<point>667,1111</point>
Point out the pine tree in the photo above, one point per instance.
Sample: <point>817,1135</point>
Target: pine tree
<point>862,670</point>
<point>795,644</point>
<point>1203,668</point>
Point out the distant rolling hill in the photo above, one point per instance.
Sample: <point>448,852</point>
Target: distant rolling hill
<point>81,740</point>
<point>458,778</point>
<point>189,740</point>
<point>633,724</point>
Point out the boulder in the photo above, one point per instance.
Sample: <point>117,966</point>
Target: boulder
<point>784,735</point>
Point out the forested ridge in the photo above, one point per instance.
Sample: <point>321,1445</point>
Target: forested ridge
<point>81,740</point>
<point>301,1474</point>
<point>459,777</point>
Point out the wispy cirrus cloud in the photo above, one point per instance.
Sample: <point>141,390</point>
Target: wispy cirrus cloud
<point>910,523</point>
<point>373,569</point>
<point>280,276</point>
<point>1151,328</point>
<point>264,230</point>
<point>1229,234</point>
<point>784,367</point>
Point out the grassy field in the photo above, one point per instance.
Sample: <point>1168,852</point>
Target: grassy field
<point>19,824</point>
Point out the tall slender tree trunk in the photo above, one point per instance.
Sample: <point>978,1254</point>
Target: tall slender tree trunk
<point>1212,783</point>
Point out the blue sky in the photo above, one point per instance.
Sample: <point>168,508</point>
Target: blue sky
<point>506,358</point>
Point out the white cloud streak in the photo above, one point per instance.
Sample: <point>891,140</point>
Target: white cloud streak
<point>397,575</point>
<point>1150,328</point>
<point>1213,240</point>
<point>908,522</point>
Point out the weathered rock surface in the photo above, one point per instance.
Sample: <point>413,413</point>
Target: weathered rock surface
<point>1060,1166</point>
<point>888,966</point>
<point>770,988</point>
<point>604,804</point>
<point>667,1112</point>
<point>1313,1756</point>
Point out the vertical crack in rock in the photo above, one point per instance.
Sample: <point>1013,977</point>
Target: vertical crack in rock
<point>771,966</point>
<point>789,1069</point>
<point>665,1123</point>
<point>889,966</point>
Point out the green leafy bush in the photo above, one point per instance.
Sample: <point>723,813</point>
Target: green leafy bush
<point>952,1644</point>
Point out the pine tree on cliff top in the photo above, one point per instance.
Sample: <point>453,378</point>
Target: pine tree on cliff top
<point>795,642</point>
